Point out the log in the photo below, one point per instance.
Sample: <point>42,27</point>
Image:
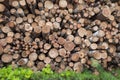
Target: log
<point>63,3</point>
<point>75,57</point>
<point>33,56</point>
<point>47,60</point>
<point>30,64</point>
<point>48,4</point>
<point>78,67</point>
<point>41,56</point>
<point>69,46</point>
<point>6,29</point>
<point>6,58</point>
<point>61,40</point>
<point>81,32</point>
<point>2,7</point>
<point>53,53</point>
<point>22,61</point>
<point>47,46</point>
<point>62,52</point>
<point>40,65</point>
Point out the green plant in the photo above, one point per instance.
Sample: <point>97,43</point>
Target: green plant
<point>8,73</point>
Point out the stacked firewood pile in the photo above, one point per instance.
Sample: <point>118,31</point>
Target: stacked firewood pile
<point>66,34</point>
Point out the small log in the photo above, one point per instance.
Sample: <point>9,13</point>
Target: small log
<point>9,39</point>
<point>25,53</point>
<point>1,49</point>
<point>61,40</point>
<point>104,55</point>
<point>81,32</point>
<point>41,56</point>
<point>78,67</point>
<point>77,40</point>
<point>69,46</point>
<point>62,52</point>
<point>53,53</point>
<point>6,29</point>
<point>7,49</point>
<point>47,46</point>
<point>47,60</point>
<point>30,64</point>
<point>16,56</point>
<point>2,7</point>
<point>40,65</point>
<point>87,42</point>
<point>20,12</point>
<point>70,38</point>
<point>63,3</point>
<point>22,61</point>
<point>106,12</point>
<point>19,20</point>
<point>93,38</point>
<point>15,4</point>
<point>93,46</point>
<point>6,58</point>
<point>83,61</point>
<point>71,64</point>
<point>27,39</point>
<point>3,42</point>
<point>48,4</point>
<point>97,55</point>
<point>11,24</point>
<point>58,59</point>
<point>46,29</point>
<point>28,27</point>
<point>33,56</point>
<point>75,57</point>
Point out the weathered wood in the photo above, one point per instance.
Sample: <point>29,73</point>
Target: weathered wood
<point>2,7</point>
<point>33,56</point>
<point>22,61</point>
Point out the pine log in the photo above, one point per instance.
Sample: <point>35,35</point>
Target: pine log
<point>30,64</point>
<point>41,56</point>
<point>47,60</point>
<point>48,4</point>
<point>63,3</point>
<point>78,67</point>
<point>62,52</point>
<point>2,7</point>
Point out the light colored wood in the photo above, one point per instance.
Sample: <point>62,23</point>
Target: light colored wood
<point>81,32</point>
<point>6,58</point>
<point>47,60</point>
<point>41,56</point>
<point>63,3</point>
<point>77,40</point>
<point>9,39</point>
<point>48,4</point>
<point>6,29</point>
<point>2,7</point>
<point>15,4</point>
<point>16,56</point>
<point>28,27</point>
<point>58,59</point>
<point>33,56</point>
<point>62,52</point>
<point>19,20</point>
<point>69,46</point>
<point>78,67</point>
<point>40,65</point>
<point>22,61</point>
<point>30,64</point>
<point>75,57</point>
<point>53,53</point>
<point>61,40</point>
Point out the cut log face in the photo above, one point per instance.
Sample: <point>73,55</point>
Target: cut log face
<point>78,67</point>
<point>48,4</point>
<point>75,57</point>
<point>97,55</point>
<point>33,56</point>
<point>81,32</point>
<point>2,7</point>
<point>6,58</point>
<point>69,46</point>
<point>53,53</point>
<point>63,3</point>
<point>22,61</point>
<point>62,52</point>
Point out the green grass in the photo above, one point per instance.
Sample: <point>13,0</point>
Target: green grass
<point>8,73</point>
